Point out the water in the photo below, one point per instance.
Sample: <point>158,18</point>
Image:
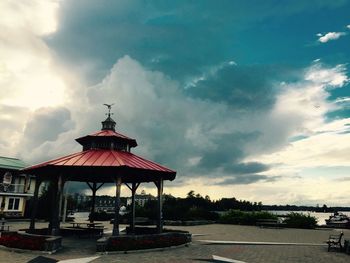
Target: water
<point>321,217</point>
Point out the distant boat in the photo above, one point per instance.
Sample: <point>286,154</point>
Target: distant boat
<point>338,220</point>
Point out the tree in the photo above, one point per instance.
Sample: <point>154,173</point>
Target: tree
<point>190,194</point>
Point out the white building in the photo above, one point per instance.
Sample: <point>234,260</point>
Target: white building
<point>15,188</point>
<point>141,199</point>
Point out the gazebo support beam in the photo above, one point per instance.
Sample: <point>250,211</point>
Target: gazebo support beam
<point>35,205</point>
<point>94,189</point>
<point>159,185</point>
<point>133,189</point>
<point>60,204</point>
<point>117,206</point>
<point>54,226</point>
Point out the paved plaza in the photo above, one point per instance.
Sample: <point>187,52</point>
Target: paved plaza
<point>200,251</point>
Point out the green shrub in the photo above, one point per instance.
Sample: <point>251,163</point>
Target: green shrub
<point>244,218</point>
<point>298,220</point>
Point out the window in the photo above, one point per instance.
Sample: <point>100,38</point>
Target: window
<point>13,204</point>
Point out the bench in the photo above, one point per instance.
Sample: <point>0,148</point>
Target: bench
<point>269,223</point>
<point>334,241</point>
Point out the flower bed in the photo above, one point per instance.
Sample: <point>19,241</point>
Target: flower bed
<point>29,241</point>
<point>137,242</point>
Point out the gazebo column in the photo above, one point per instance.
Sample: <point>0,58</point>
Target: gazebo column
<point>133,189</point>
<point>55,220</point>
<point>159,185</point>
<point>60,202</point>
<point>94,189</point>
<point>117,206</point>
<point>35,205</point>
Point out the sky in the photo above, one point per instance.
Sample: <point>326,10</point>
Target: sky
<point>245,99</point>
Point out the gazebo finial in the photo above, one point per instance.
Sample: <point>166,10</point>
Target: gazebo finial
<point>109,123</point>
<point>109,106</point>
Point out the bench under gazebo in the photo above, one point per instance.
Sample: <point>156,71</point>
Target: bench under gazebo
<point>105,158</point>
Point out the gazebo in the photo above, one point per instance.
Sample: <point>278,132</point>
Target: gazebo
<point>105,158</point>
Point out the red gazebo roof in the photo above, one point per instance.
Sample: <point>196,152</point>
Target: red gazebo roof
<point>102,166</point>
<point>107,134</point>
<point>105,156</point>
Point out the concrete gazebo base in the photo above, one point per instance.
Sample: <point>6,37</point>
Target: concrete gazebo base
<point>125,243</point>
<point>27,241</point>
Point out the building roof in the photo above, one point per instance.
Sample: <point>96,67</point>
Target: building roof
<point>11,163</point>
<point>104,165</point>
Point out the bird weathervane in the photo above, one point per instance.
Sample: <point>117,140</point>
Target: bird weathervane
<point>109,106</point>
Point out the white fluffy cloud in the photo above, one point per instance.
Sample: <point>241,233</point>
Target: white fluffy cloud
<point>330,36</point>
<point>319,143</point>
<point>167,123</point>
<point>30,75</point>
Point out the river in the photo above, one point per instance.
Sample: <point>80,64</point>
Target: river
<point>321,217</point>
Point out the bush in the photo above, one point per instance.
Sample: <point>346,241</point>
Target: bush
<point>298,220</point>
<point>200,214</point>
<point>244,218</point>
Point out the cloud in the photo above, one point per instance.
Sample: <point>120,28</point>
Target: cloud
<point>236,87</point>
<point>205,139</point>
<point>32,78</point>
<point>330,36</point>
<point>45,125</point>
<point>344,179</point>
<point>12,119</point>
<point>348,26</point>
<point>178,41</point>
<point>182,85</point>
<point>331,77</point>
<point>27,68</point>
<point>247,179</point>
<point>200,137</point>
<point>39,17</point>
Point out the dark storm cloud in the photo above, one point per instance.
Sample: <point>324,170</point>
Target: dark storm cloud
<point>227,153</point>
<point>178,38</point>
<point>244,88</point>
<point>173,57</point>
<point>244,179</point>
<point>246,168</point>
<point>45,125</point>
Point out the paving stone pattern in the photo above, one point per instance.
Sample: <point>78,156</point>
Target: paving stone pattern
<point>199,252</point>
